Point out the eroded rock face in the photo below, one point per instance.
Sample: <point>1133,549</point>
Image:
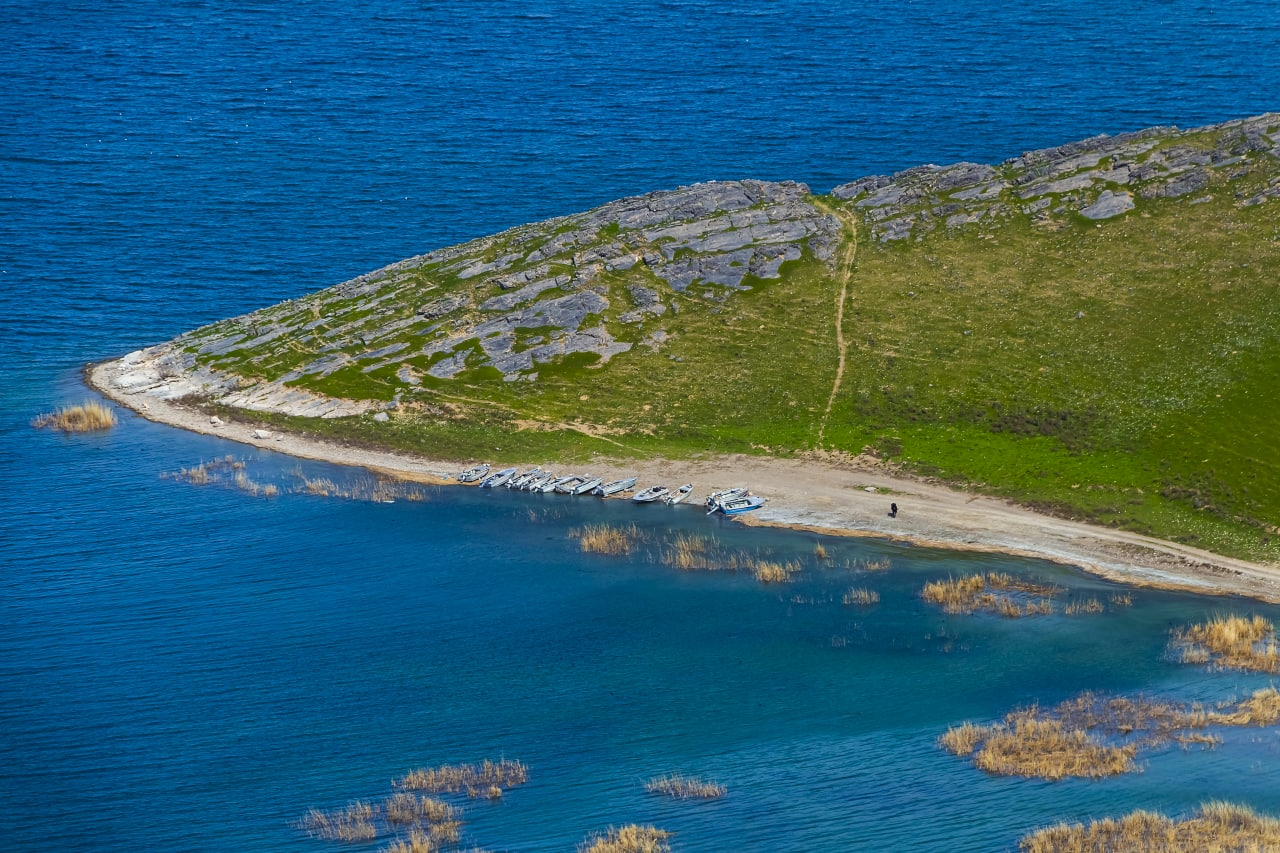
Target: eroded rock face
<point>1097,178</point>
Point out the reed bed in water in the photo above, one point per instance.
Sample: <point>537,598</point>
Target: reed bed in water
<point>768,571</point>
<point>1093,736</point>
<point>628,839</point>
<point>993,592</point>
<point>85,417</point>
<point>1216,826</point>
<point>1083,605</point>
<point>476,779</point>
<point>605,539</point>
<point>861,597</point>
<point>354,823</point>
<point>1234,642</point>
<point>685,787</point>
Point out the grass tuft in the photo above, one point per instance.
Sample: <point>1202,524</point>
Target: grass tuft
<point>85,417</point>
<point>628,839</point>
<point>1233,642</point>
<point>604,539</point>
<point>685,787</point>
<point>1216,826</point>
<point>1012,598</point>
<point>861,597</point>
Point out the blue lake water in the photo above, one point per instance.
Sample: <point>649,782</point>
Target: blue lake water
<point>188,667</point>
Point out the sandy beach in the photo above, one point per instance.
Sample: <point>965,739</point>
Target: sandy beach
<point>829,494</point>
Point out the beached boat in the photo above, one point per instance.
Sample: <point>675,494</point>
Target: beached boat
<point>519,481</point>
<point>536,484</point>
<point>716,498</point>
<point>471,475</point>
<point>550,485</point>
<point>606,489</point>
<point>651,494</point>
<point>679,494</point>
<point>587,485</point>
<point>566,485</point>
<point>738,506</point>
<point>497,479</point>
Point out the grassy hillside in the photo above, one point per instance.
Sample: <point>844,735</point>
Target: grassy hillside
<point>1122,369</point>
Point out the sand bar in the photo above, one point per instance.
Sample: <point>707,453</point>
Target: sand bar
<point>829,494</point>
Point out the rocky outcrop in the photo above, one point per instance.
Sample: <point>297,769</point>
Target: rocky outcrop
<point>1097,178</point>
<point>586,288</point>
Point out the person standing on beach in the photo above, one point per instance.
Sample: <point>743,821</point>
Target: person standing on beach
<point>893,510</point>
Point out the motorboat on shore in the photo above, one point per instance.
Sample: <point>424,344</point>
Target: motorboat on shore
<point>679,494</point>
<point>651,494</point>
<point>473,474</point>
<point>566,485</point>
<point>716,498</point>
<point>590,484</point>
<point>737,506</point>
<point>498,479</point>
<point>536,484</point>
<point>612,488</point>
<point>519,481</point>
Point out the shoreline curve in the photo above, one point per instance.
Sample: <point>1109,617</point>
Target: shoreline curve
<point>828,494</point>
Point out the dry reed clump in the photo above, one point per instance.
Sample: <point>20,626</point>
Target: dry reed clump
<point>628,839</point>
<point>85,417</point>
<point>1234,642</point>
<point>1216,826</point>
<point>603,539</point>
<point>354,823</point>
<point>1083,605</point>
<point>405,808</point>
<point>768,571</point>
<point>417,842</point>
<point>861,597</point>
<point>1029,745</point>
<point>685,787</point>
<point>1013,597</point>
<point>869,565</point>
<point>476,779</point>
<point>819,552</point>
<point>1093,735</point>
<point>1121,599</point>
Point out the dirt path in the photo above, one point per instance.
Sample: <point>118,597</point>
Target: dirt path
<point>844,269</point>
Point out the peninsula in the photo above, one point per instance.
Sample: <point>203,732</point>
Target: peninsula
<point>1073,354</point>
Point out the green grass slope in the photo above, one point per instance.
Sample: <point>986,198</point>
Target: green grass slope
<point>1124,370</point>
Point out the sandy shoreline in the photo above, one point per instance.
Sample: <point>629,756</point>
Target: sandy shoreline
<point>837,495</point>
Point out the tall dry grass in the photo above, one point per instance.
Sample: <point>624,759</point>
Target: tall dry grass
<point>685,787</point>
<point>1216,827</point>
<point>861,597</point>
<point>475,779</point>
<point>354,823</point>
<point>1083,605</point>
<point>993,592</point>
<point>604,539</point>
<point>1234,642</point>
<point>85,417</point>
<point>768,571</point>
<point>628,839</point>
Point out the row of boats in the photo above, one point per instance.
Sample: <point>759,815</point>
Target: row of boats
<point>729,501</point>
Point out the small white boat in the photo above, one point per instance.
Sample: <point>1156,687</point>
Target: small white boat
<point>471,475</point>
<point>498,479</point>
<point>550,485</point>
<point>716,498</point>
<point>651,494</point>
<point>738,506</point>
<point>587,486</point>
<point>519,481</point>
<point>536,484</point>
<point>606,489</point>
<point>566,485</point>
<point>679,494</point>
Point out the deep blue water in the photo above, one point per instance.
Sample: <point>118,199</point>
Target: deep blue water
<point>192,668</point>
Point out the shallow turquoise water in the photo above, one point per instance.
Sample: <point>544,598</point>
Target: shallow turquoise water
<point>190,667</point>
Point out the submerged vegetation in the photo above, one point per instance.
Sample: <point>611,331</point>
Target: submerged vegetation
<point>85,417</point>
<point>233,472</point>
<point>1214,826</point>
